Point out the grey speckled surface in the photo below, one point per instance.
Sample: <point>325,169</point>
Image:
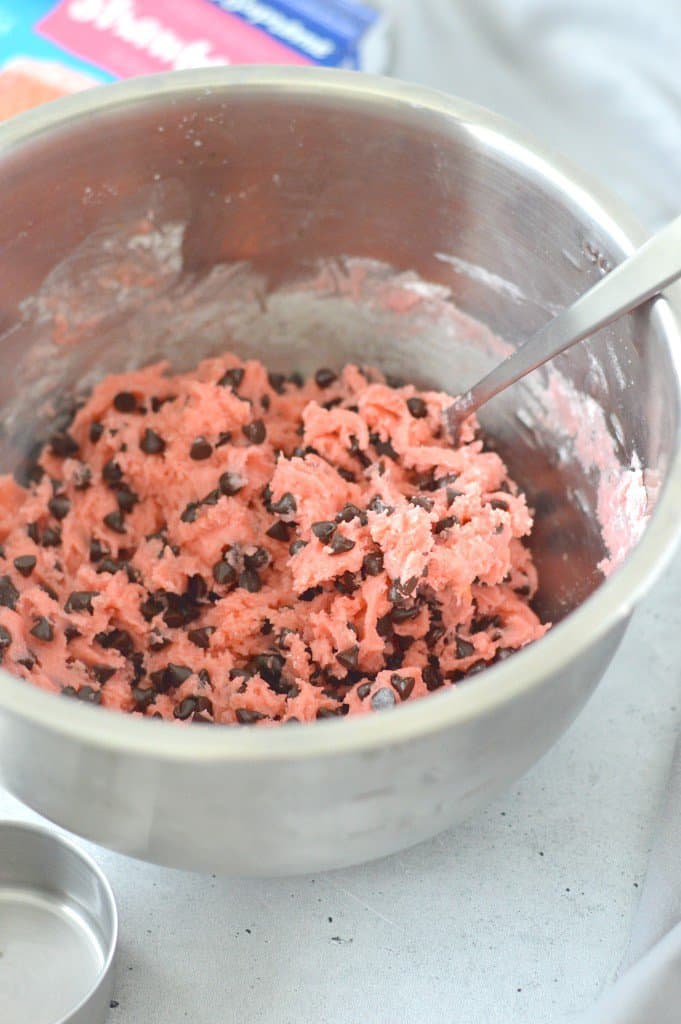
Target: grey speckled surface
<point>520,915</point>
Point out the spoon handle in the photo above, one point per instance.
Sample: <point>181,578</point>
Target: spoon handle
<point>650,269</point>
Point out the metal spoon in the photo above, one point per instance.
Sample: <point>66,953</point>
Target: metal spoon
<point>650,269</point>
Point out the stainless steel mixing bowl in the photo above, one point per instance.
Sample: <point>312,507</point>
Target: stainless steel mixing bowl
<point>284,169</point>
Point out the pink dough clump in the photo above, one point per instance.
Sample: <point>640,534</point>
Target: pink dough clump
<point>232,546</point>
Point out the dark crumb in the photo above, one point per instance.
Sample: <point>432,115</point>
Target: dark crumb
<point>114,1002</point>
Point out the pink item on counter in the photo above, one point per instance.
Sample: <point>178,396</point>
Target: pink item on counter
<point>233,546</point>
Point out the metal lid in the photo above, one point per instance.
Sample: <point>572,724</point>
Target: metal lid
<point>58,930</point>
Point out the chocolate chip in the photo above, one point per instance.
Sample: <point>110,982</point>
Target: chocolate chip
<point>247,717</point>
<point>117,640</point>
<point>255,432</point>
<point>190,513</point>
<point>186,709</point>
<point>59,506</point>
<point>250,581</point>
<point>383,447</point>
<point>152,443</point>
<point>270,666</point>
<point>87,694</point>
<point>417,407</point>
<point>285,505</point>
<point>232,378</point>
<point>296,378</point>
<point>143,697</point>
<point>338,712</point>
<point>126,499</point>
<point>340,544</point>
<point>224,574</point>
<point>324,530</point>
<point>279,530</point>
<point>346,474</point>
<point>403,684</point>
<point>378,505</point>
<point>110,565</point>
<point>277,381</point>
<point>114,520</point>
<point>25,564</point>
<point>5,638</point>
<point>310,594</point>
<point>125,401</point>
<point>452,494</point>
<point>80,601</point>
<point>170,677</point>
<point>200,449</point>
<point>346,583</point>
<point>95,432</point>
<point>151,607</point>
<point>63,445</point>
<point>348,513</point>
<point>324,377</point>
<point>51,537</point>
<point>348,658</point>
<point>363,690</point>
<point>435,633</point>
<point>445,524</point>
<point>432,677</point>
<point>297,546</point>
<point>464,649</point>
<point>372,564</point>
<point>382,698</point>
<point>498,503</point>
<point>420,501</point>
<point>103,673</point>
<point>97,550</point>
<point>224,437</point>
<point>112,473</point>
<point>404,613</point>
<point>8,593</point>
<point>201,637</point>
<point>230,484</point>
<point>42,630</point>
<point>258,560</point>
<point>384,625</point>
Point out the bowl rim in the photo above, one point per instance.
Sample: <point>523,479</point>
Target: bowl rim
<point>609,606</point>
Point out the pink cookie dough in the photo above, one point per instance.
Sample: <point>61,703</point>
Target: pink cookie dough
<point>233,546</point>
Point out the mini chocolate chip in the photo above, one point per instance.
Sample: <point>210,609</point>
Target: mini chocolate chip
<point>250,581</point>
<point>324,377</point>
<point>383,698</point>
<point>346,474</point>
<point>25,564</point>
<point>95,432</point>
<point>258,560</point>
<point>464,649</point>
<point>432,677</point>
<point>265,403</point>
<point>28,661</point>
<point>342,709</point>
<point>287,503</point>
<point>348,513</point>
<point>373,563</point>
<point>363,690</point>
<point>151,607</point>
<point>8,593</point>
<point>324,530</point>
<point>297,546</point>
<point>170,677</point>
<point>279,530</point>
<point>498,503</point>
<point>255,432</point>
<point>383,447</point>
<point>403,684</point>
<point>378,505</point>
<point>445,524</point>
<point>224,437</point>
<point>89,695</point>
<point>59,506</point>
<point>63,445</point>
<point>184,710</point>
<point>421,501</point>
<point>341,544</point>
<point>114,520</point>
<point>232,378</point>
<point>97,550</point>
<point>152,443</point>
<point>80,601</point>
<point>230,484</point>
<point>42,630</point>
<point>116,640</point>
<point>277,381</point>
<point>247,717</point>
<point>143,697</point>
<point>404,614</point>
<point>126,499</point>
<point>190,513</point>
<point>296,378</point>
<point>201,637</point>
<point>346,583</point>
<point>224,573</point>
<point>349,657</point>
<point>109,565</point>
<point>384,625</point>
<point>112,473</point>
<point>51,537</point>
<point>417,407</point>
<point>394,381</point>
<point>452,494</point>
<point>102,673</point>
<point>82,478</point>
<point>158,403</point>
<point>212,498</point>
<point>200,449</point>
<point>125,401</point>
<point>310,594</point>
<point>157,641</point>
<point>5,638</point>
<point>71,632</point>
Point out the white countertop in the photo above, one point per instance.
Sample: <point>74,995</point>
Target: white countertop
<point>521,915</point>
<point>517,917</point>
